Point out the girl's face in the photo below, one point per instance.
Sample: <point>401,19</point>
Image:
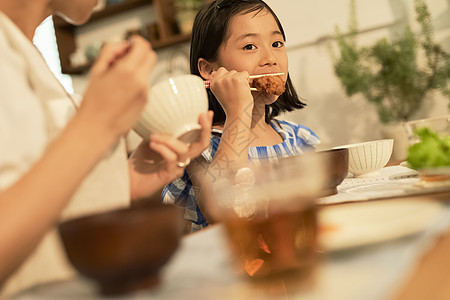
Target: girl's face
<point>76,11</point>
<point>255,44</point>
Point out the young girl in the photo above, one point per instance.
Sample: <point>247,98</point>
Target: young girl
<point>231,40</point>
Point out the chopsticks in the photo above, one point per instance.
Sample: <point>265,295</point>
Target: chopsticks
<point>208,82</point>
<point>263,75</point>
<point>208,85</point>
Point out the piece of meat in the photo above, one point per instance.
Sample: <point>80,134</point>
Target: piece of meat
<point>273,85</point>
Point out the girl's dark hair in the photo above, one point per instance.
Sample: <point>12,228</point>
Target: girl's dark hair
<point>208,34</point>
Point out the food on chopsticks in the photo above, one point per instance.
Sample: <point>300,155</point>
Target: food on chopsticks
<point>272,85</point>
<point>432,151</point>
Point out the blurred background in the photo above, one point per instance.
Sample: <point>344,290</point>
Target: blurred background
<point>310,27</point>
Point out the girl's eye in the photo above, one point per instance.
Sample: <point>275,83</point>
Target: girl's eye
<point>249,47</point>
<point>278,44</point>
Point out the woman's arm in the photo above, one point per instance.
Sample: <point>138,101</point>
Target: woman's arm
<point>112,103</point>
<point>33,204</point>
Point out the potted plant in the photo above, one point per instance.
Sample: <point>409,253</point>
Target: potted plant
<point>395,75</point>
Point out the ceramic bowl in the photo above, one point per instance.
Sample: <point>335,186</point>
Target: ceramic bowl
<point>173,108</point>
<point>369,156</point>
<point>123,250</point>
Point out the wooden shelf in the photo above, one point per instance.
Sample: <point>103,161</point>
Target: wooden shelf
<point>168,36</point>
<point>108,11</point>
<point>174,40</point>
<point>114,9</point>
<point>171,40</point>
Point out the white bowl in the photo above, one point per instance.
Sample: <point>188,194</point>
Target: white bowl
<point>368,157</point>
<point>173,108</point>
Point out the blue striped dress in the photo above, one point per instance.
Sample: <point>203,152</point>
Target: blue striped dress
<point>297,140</point>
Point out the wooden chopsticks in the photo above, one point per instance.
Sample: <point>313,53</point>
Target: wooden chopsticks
<point>263,75</point>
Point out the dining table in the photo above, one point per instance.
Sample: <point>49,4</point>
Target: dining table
<point>402,254</point>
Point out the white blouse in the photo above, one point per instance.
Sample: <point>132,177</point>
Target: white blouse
<point>34,108</point>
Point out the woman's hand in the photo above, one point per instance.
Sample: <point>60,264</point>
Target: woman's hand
<point>164,159</point>
<point>119,83</point>
<point>232,90</point>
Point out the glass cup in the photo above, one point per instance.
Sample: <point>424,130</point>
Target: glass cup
<point>270,215</point>
<point>441,125</point>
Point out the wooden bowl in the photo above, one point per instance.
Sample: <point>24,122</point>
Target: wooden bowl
<point>335,164</point>
<point>336,161</point>
<point>123,250</point>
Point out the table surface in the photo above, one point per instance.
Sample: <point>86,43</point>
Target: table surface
<point>407,268</point>
<point>431,278</point>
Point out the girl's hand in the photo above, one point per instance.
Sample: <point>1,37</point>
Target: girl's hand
<point>156,164</point>
<point>119,83</point>
<point>232,90</point>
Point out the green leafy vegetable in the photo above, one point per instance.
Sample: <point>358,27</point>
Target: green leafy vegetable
<point>431,152</point>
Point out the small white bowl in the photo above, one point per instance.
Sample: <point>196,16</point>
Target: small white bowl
<point>368,157</point>
<point>173,108</point>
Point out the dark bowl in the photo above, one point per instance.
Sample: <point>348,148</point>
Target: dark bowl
<point>337,169</point>
<point>334,161</point>
<point>123,250</point>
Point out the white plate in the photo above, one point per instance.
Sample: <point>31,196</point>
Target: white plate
<point>358,224</point>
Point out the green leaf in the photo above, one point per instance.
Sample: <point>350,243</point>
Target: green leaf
<point>431,152</point>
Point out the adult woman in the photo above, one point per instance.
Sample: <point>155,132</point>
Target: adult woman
<point>61,160</point>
